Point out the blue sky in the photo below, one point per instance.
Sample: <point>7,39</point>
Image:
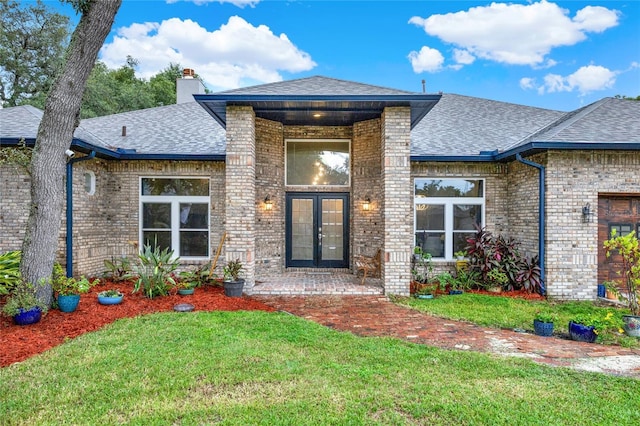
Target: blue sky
<point>550,54</point>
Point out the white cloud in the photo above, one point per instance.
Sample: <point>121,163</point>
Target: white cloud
<point>521,34</point>
<point>239,3</point>
<point>585,80</point>
<point>237,52</point>
<point>428,59</point>
<point>463,57</point>
<point>527,83</point>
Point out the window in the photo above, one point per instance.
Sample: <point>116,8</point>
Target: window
<point>175,214</point>
<point>313,162</point>
<point>622,229</point>
<point>90,183</point>
<point>446,213</point>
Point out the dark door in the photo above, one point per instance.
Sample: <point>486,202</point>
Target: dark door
<point>621,213</point>
<point>317,230</point>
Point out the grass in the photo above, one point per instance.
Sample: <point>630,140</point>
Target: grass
<point>506,312</point>
<point>238,368</point>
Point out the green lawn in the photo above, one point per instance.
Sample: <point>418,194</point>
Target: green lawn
<point>505,312</point>
<point>272,368</point>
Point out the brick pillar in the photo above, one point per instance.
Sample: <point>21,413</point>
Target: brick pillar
<point>240,186</point>
<point>397,200</point>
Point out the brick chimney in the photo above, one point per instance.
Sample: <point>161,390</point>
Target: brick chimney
<point>187,86</point>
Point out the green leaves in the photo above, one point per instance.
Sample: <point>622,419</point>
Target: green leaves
<point>154,271</point>
<point>9,271</point>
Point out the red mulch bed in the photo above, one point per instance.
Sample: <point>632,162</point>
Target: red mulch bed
<point>21,342</point>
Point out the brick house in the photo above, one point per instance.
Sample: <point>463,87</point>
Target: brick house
<point>309,173</point>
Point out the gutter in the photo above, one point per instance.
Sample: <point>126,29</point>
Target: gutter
<point>69,239</point>
<point>541,218</point>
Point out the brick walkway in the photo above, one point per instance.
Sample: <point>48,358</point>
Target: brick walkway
<point>377,316</point>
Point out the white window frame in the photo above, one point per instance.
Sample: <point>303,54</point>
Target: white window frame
<point>286,161</point>
<point>175,201</point>
<point>88,174</point>
<point>448,203</point>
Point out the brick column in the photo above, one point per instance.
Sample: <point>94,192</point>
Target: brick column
<point>397,200</point>
<point>240,186</point>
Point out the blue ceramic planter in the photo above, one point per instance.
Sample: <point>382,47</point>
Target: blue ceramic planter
<point>68,303</point>
<point>110,300</point>
<point>543,328</point>
<point>582,333</point>
<point>27,317</point>
<point>186,291</point>
<point>452,292</point>
<point>602,290</point>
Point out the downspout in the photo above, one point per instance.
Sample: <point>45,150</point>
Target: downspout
<point>69,239</point>
<point>541,218</point>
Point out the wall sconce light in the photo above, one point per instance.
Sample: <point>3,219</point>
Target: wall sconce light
<point>268,204</point>
<point>366,204</point>
<point>587,214</point>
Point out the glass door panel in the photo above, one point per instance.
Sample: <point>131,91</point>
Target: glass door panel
<point>332,231</point>
<point>302,233</point>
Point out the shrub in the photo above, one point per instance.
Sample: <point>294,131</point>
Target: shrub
<point>23,297</point>
<point>66,286</point>
<point>118,269</point>
<point>9,271</point>
<point>488,253</point>
<point>154,271</point>
<point>629,249</point>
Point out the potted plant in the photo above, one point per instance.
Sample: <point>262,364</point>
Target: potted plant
<point>628,247</point>
<point>460,255</point>
<point>426,291</point>
<point>446,282</point>
<point>110,297</point>
<point>24,306</point>
<point>496,280</point>
<point>421,267</point>
<point>543,323</point>
<point>233,284</point>
<point>68,289</point>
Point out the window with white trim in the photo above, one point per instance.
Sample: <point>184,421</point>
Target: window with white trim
<point>446,213</point>
<point>174,213</point>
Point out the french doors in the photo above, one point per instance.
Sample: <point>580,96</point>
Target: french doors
<point>317,230</point>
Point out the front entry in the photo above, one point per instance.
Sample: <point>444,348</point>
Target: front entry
<point>621,213</point>
<point>317,230</point>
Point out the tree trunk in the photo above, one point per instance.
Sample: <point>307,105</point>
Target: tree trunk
<point>59,121</point>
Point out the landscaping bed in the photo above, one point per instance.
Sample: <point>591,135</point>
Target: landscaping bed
<point>21,342</point>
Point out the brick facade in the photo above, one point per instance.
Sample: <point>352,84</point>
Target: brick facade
<point>240,184</point>
<point>106,224</point>
<point>575,178</point>
<point>397,200</point>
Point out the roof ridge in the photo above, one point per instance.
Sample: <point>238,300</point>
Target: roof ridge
<point>561,123</point>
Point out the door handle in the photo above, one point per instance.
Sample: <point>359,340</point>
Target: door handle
<point>320,235</point>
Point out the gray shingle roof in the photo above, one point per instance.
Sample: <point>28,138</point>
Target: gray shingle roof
<point>316,85</point>
<point>20,122</point>
<point>174,129</point>
<point>608,120</point>
<point>462,125</point>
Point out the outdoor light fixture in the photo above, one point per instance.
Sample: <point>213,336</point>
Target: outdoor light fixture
<point>268,204</point>
<point>587,214</point>
<point>366,204</point>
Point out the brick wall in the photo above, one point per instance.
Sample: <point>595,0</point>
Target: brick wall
<point>574,179</point>
<point>270,243</point>
<point>397,200</point>
<point>367,227</point>
<point>240,183</point>
<point>15,194</point>
<point>106,224</point>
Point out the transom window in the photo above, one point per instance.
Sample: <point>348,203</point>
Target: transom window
<point>174,213</point>
<point>312,162</point>
<point>446,213</point>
